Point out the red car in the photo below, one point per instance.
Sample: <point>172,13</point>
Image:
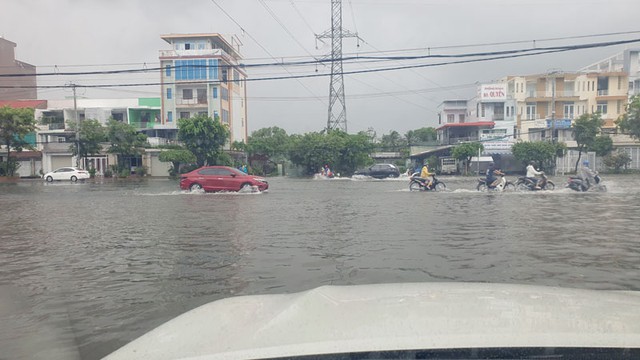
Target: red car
<point>220,178</point>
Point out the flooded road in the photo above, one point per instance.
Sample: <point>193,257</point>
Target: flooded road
<point>88,267</point>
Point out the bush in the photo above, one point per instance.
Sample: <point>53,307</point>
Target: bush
<point>141,171</point>
<point>108,173</point>
<point>92,172</point>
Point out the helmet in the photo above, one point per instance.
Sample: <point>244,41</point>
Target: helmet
<point>585,163</point>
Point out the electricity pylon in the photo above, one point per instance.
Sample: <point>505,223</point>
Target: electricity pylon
<point>337,105</point>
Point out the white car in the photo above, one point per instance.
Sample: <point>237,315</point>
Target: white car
<point>66,173</point>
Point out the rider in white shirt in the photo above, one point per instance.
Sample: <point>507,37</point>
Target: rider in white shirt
<point>532,173</point>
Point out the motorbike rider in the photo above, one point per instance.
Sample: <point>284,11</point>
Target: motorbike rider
<point>427,176</point>
<point>531,175</point>
<point>492,180</point>
<point>587,175</point>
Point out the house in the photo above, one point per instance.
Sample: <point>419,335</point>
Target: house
<point>202,75</point>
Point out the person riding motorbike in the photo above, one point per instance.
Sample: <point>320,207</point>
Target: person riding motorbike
<point>531,175</point>
<point>491,180</point>
<point>427,176</point>
<point>587,175</point>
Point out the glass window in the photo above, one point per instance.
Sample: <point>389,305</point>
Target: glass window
<point>602,107</point>
<point>187,94</point>
<point>215,92</point>
<point>184,115</point>
<point>170,116</point>
<point>168,93</point>
<point>167,70</point>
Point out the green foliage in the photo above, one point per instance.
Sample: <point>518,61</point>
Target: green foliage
<point>465,151</point>
<point>141,171</point>
<point>272,142</point>
<point>125,142</point>
<point>543,153</point>
<point>92,172</point>
<point>392,142</point>
<point>584,130</point>
<point>602,145</point>
<point>422,135</point>
<point>617,160</point>
<point>204,137</point>
<point>344,153</point>
<point>108,173</point>
<point>9,168</point>
<point>90,133</point>
<point>124,139</point>
<point>629,122</point>
<point>15,125</point>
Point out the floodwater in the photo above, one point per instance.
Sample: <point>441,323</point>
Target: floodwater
<point>87,267</point>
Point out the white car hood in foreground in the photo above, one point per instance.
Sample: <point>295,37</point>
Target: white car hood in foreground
<point>339,319</point>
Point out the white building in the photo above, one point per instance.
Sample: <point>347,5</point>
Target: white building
<point>202,76</point>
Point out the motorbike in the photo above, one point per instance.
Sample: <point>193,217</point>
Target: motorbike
<point>525,183</point>
<point>503,185</point>
<point>576,183</point>
<point>420,184</point>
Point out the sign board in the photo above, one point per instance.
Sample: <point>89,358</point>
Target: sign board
<point>497,145</point>
<point>493,92</point>
<point>560,123</point>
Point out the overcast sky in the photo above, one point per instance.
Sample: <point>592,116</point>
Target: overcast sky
<point>90,35</point>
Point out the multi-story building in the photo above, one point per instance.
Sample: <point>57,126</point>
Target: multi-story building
<point>627,61</point>
<point>547,104</point>
<point>25,86</point>
<point>55,135</point>
<point>201,75</point>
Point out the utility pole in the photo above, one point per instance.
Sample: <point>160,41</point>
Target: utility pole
<point>77,121</point>
<point>337,106</point>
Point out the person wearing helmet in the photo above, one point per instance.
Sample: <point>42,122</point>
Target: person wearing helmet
<point>427,176</point>
<point>587,175</point>
<point>531,175</point>
<point>491,179</point>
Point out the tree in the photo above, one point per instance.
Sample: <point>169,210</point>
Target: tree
<point>392,142</point>
<point>344,153</point>
<point>125,142</point>
<point>15,125</point>
<point>602,145</point>
<point>584,130</point>
<point>617,160</point>
<point>629,122</point>
<point>465,151</point>
<point>177,157</point>
<point>271,142</point>
<point>91,134</point>
<point>543,153</point>
<point>204,137</point>
<point>422,135</point>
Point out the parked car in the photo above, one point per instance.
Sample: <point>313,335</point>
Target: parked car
<point>66,173</point>
<point>380,171</point>
<point>220,178</point>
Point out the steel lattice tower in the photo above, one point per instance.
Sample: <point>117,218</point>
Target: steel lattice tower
<point>337,105</point>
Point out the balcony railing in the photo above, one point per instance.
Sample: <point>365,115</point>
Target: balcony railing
<point>192,101</point>
<point>603,92</point>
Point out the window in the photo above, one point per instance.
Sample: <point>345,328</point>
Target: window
<point>187,46</point>
<point>224,93</point>
<point>602,107</point>
<point>215,92</point>
<point>450,118</point>
<point>619,106</point>
<point>531,111</point>
<point>170,116</point>
<point>568,110</point>
<point>461,118</point>
<point>168,93</point>
<point>224,75</point>
<point>184,115</point>
<point>167,70</point>
<point>482,110</point>
<point>225,116</point>
<point>202,96</point>
<point>187,94</point>
<point>215,115</point>
<point>236,77</point>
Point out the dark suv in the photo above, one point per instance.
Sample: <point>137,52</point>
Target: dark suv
<point>380,171</point>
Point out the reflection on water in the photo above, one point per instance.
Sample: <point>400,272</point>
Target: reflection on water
<point>88,267</point>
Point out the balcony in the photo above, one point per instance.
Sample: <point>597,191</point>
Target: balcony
<point>192,101</point>
<point>603,92</point>
<point>198,52</point>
